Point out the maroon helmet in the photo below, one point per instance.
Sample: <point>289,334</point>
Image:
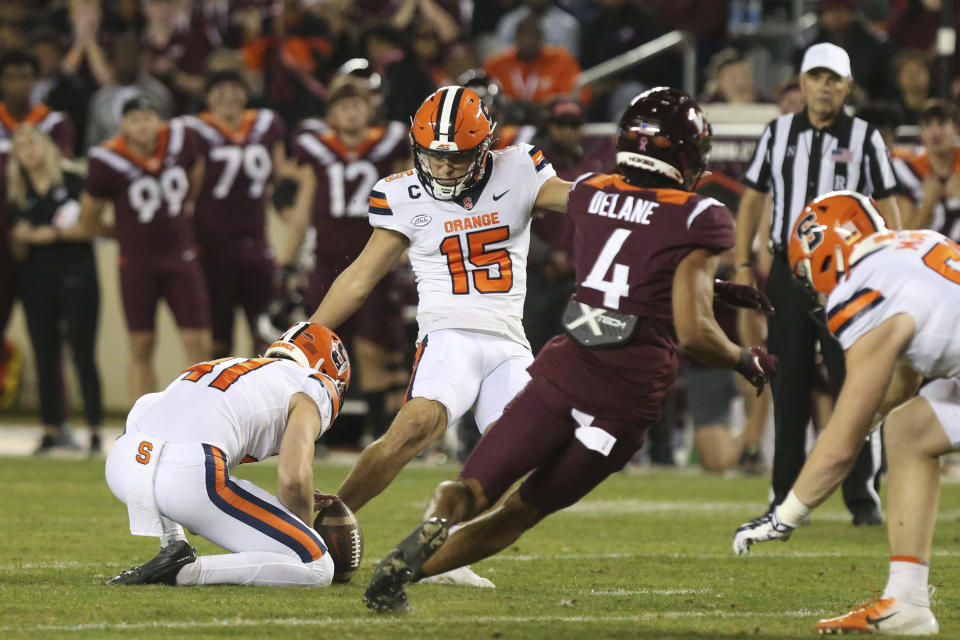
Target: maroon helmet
<point>664,131</point>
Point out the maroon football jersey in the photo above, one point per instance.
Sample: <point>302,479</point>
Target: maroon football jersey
<point>231,204</point>
<point>344,179</point>
<point>628,242</point>
<point>147,193</point>
<point>55,124</point>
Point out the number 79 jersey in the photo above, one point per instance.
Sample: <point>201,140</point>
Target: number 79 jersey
<point>147,193</point>
<point>470,255</point>
<point>919,275</point>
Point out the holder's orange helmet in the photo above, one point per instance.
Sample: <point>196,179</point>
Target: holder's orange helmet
<point>452,123</point>
<point>831,235</point>
<point>314,346</point>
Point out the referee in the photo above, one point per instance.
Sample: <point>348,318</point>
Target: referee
<point>799,157</point>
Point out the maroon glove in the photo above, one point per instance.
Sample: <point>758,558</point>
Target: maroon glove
<point>741,295</point>
<point>757,366</point>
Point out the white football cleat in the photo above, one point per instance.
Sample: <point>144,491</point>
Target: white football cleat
<point>886,616</point>
<point>461,576</point>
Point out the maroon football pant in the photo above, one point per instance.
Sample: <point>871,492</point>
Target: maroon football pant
<point>537,432</point>
<point>247,283</point>
<point>179,281</point>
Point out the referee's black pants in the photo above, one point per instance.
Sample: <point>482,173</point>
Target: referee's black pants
<point>792,337</point>
<point>61,298</point>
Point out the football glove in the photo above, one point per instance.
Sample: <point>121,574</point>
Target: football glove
<point>757,366</point>
<point>766,527</point>
<point>741,295</point>
<point>285,193</point>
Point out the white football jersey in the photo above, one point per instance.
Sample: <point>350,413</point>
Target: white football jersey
<point>239,405</point>
<point>919,274</point>
<point>470,260</point>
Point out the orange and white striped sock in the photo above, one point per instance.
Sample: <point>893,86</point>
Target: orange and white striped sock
<point>908,580</point>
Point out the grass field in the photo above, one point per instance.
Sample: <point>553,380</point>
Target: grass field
<point>646,556</point>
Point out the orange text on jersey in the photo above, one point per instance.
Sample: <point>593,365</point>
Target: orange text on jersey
<point>472,222</point>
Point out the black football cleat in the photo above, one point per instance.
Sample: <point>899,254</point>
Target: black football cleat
<point>402,566</point>
<point>162,569</point>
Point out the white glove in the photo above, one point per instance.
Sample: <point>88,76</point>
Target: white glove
<point>766,527</point>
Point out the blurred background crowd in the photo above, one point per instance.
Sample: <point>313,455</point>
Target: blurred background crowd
<point>544,66</point>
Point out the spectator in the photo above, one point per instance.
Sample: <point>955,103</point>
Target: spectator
<point>557,26</point>
<point>58,280</point>
<point>911,69</point>
<point>61,91</point>
<point>122,16</point>
<point>532,71</point>
<point>86,56</point>
<point>15,25</point>
<point>789,97</point>
<point>18,75</point>
<point>407,84</point>
<point>886,117</point>
<point>173,52</point>
<point>128,81</point>
<point>731,80</point>
<point>429,51</point>
<point>444,27</point>
<point>914,24</point>
<point>937,170</point>
<point>838,22</point>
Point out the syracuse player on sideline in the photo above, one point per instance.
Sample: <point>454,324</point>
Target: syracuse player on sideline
<point>150,173</point>
<point>243,150</point>
<point>463,216</point>
<point>645,254</point>
<point>172,466</point>
<point>892,301</point>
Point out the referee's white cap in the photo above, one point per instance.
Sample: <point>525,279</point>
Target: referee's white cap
<point>827,56</point>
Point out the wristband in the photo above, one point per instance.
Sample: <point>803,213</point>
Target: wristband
<point>791,511</point>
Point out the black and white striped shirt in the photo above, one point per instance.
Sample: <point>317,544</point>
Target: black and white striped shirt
<point>799,162</point>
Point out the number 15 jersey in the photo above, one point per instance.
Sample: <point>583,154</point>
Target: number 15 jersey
<point>469,255</point>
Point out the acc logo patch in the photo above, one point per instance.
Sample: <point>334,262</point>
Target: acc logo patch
<point>811,231</point>
<point>421,220</point>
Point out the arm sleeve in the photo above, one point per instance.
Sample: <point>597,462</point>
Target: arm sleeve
<point>710,225</point>
<point>757,176</point>
<point>879,169</point>
<point>100,178</point>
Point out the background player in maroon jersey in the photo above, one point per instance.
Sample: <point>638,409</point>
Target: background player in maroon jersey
<point>149,173</point>
<point>645,253</point>
<point>18,75</point>
<point>242,149</point>
<point>336,168</point>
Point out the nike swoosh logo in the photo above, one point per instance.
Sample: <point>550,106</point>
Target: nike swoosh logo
<point>497,197</point>
<point>874,621</point>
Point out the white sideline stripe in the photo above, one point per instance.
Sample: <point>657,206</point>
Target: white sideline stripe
<point>650,592</point>
<point>53,566</point>
<point>372,620</point>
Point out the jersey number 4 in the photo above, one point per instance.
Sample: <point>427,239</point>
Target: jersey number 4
<point>617,286</point>
<point>483,279</point>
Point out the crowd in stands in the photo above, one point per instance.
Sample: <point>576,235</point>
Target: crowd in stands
<point>69,67</point>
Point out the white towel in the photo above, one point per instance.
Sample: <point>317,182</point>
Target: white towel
<point>141,496</point>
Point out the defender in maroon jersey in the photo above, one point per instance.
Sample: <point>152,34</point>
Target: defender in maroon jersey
<point>149,173</point>
<point>242,149</point>
<point>339,161</point>
<point>645,251</point>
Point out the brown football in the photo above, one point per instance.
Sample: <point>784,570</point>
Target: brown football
<point>341,532</point>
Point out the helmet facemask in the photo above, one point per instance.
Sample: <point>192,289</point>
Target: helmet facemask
<point>471,177</point>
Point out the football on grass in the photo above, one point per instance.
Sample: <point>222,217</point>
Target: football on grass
<point>341,532</point>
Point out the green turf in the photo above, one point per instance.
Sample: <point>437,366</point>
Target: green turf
<point>646,556</point>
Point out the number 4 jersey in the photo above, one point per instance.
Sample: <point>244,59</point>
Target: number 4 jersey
<point>148,194</point>
<point>918,274</point>
<point>628,242</point>
<point>470,256</point>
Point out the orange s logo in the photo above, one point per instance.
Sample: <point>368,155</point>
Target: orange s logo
<point>143,452</point>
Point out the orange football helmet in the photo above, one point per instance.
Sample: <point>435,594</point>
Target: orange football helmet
<point>832,233</point>
<point>452,123</point>
<point>315,347</point>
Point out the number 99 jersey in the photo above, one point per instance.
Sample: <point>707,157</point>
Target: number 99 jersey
<point>147,193</point>
<point>917,274</point>
<point>469,254</point>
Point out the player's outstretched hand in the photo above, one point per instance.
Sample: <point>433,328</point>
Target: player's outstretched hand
<point>742,295</point>
<point>766,527</point>
<point>757,366</point>
<point>323,500</point>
